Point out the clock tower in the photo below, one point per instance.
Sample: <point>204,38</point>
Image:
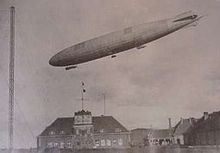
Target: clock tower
<point>83,129</point>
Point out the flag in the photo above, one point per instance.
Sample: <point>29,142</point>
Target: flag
<point>83,89</point>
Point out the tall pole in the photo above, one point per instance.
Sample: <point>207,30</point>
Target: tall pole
<point>104,103</point>
<point>11,78</point>
<point>82,98</point>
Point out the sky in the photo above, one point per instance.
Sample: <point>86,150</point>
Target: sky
<point>175,76</point>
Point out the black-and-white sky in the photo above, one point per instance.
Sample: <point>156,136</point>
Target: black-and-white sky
<point>176,76</point>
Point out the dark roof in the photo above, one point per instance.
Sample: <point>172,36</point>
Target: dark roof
<point>160,133</point>
<point>60,124</point>
<point>139,134</point>
<point>105,124</point>
<point>183,125</point>
<point>152,133</point>
<point>211,123</point>
<point>139,129</point>
<point>108,123</point>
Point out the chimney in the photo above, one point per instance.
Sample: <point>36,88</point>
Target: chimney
<point>206,115</point>
<point>170,124</point>
<point>181,120</point>
<point>170,128</point>
<point>191,121</point>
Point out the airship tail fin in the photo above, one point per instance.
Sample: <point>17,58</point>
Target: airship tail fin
<point>191,25</point>
<point>183,14</point>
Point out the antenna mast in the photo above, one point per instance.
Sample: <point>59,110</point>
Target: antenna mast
<point>104,103</point>
<point>83,91</point>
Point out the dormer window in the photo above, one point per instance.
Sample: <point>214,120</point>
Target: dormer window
<point>51,133</point>
<point>62,132</point>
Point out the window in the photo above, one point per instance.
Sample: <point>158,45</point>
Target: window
<point>127,30</point>
<point>120,142</point>
<point>78,143</point>
<point>62,132</point>
<point>50,145</point>
<point>88,131</point>
<point>102,142</point>
<point>97,143</point>
<point>77,131</point>
<point>51,133</point>
<point>62,144</point>
<point>69,145</point>
<point>83,132</point>
<point>108,142</point>
<point>114,141</point>
<point>55,144</point>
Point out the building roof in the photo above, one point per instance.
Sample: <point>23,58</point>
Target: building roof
<point>108,124</point>
<point>102,124</point>
<point>212,122</point>
<point>142,132</point>
<point>160,133</point>
<point>183,125</point>
<point>151,133</point>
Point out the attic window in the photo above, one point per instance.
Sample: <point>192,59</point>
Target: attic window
<point>127,30</point>
<point>62,132</point>
<point>51,133</point>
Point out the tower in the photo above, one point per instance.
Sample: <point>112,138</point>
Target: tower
<point>83,130</point>
<point>11,79</point>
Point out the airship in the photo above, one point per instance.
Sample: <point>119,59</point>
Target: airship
<point>122,40</point>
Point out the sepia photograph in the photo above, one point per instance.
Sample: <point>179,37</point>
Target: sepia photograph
<point>95,76</point>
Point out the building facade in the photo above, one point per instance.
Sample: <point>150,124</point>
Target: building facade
<point>205,132</point>
<point>181,128</point>
<point>139,137</point>
<point>84,131</point>
<point>160,137</point>
<point>151,137</point>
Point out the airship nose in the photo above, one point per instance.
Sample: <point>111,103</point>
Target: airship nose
<point>54,61</point>
<point>60,59</point>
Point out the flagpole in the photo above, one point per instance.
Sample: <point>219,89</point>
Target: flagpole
<point>82,98</point>
<point>82,92</point>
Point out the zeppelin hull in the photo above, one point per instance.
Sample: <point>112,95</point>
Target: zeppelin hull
<point>120,41</point>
